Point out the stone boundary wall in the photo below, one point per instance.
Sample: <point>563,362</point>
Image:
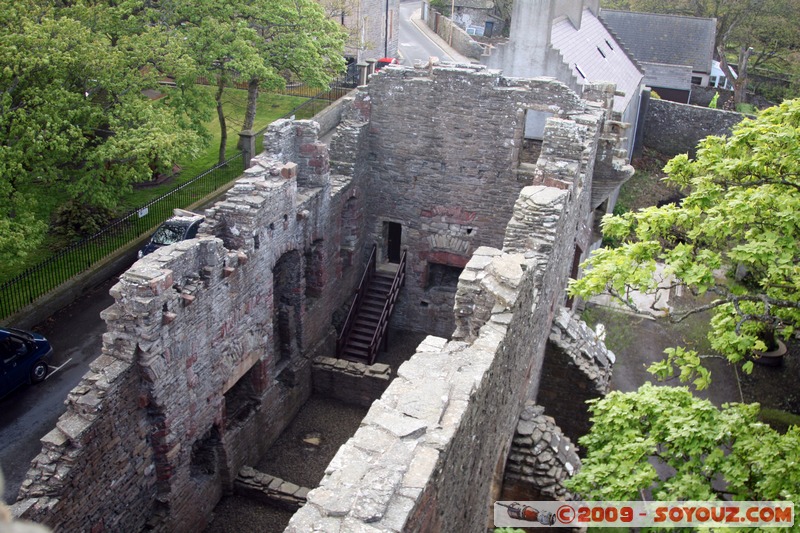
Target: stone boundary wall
<point>672,128</point>
<point>462,42</point>
<point>79,443</point>
<point>428,453</point>
<point>540,460</point>
<point>350,382</point>
<point>577,367</point>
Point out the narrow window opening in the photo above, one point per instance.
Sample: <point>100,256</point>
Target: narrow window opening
<point>601,52</point>
<point>287,296</point>
<point>204,454</point>
<point>609,44</point>
<point>242,399</point>
<point>580,71</point>
<point>315,270</point>
<point>444,277</point>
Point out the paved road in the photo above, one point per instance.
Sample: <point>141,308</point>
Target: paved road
<point>29,413</point>
<point>415,44</point>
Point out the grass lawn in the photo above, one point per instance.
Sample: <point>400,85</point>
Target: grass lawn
<point>270,107</point>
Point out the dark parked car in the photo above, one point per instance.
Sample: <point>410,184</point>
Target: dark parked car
<point>178,228</point>
<point>23,358</point>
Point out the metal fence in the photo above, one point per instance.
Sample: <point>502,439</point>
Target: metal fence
<point>34,282</point>
<point>37,281</point>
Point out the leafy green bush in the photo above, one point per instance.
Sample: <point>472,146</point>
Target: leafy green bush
<point>75,220</point>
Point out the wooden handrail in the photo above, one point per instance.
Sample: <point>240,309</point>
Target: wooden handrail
<point>366,277</point>
<point>388,307</point>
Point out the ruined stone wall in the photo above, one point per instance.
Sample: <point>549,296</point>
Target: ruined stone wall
<point>540,460</point>
<point>208,352</point>
<point>672,128</point>
<point>430,452</point>
<point>349,382</point>
<point>449,201</point>
<point>78,446</point>
<point>577,368</point>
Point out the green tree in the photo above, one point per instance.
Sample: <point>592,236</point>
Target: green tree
<point>265,42</point>
<point>74,116</point>
<point>736,236</point>
<point>759,33</point>
<point>709,453</point>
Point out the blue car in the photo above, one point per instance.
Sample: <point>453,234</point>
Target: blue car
<point>23,359</point>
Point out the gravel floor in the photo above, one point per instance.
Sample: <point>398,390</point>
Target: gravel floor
<point>293,459</point>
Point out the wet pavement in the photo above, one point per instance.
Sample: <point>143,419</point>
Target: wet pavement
<point>638,342</point>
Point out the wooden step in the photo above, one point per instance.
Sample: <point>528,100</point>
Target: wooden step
<point>355,358</point>
<point>377,291</point>
<point>360,339</point>
<point>354,351</point>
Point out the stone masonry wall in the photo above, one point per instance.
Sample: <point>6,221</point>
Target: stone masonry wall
<point>209,344</point>
<point>577,368</point>
<point>207,354</point>
<point>540,460</point>
<point>673,128</point>
<point>349,382</point>
<point>79,444</point>
<point>448,201</point>
<point>428,453</point>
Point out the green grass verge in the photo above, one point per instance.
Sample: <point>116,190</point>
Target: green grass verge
<point>270,108</point>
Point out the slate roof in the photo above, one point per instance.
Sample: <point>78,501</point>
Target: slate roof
<point>595,56</point>
<point>668,39</point>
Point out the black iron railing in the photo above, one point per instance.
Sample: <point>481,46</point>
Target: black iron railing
<point>383,324</point>
<point>361,290</point>
<point>36,281</point>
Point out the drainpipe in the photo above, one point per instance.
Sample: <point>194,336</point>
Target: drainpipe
<point>386,32</point>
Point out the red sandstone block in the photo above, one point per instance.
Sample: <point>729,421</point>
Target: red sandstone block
<point>310,149</point>
<point>289,171</point>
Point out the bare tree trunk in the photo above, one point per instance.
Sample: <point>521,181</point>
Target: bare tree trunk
<point>252,104</point>
<point>223,127</point>
<point>740,80</point>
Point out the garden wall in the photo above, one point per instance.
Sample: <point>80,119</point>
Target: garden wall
<point>672,128</point>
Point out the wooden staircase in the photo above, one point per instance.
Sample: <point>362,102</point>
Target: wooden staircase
<point>364,331</point>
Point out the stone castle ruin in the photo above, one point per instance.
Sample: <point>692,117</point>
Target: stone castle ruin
<point>214,344</point>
